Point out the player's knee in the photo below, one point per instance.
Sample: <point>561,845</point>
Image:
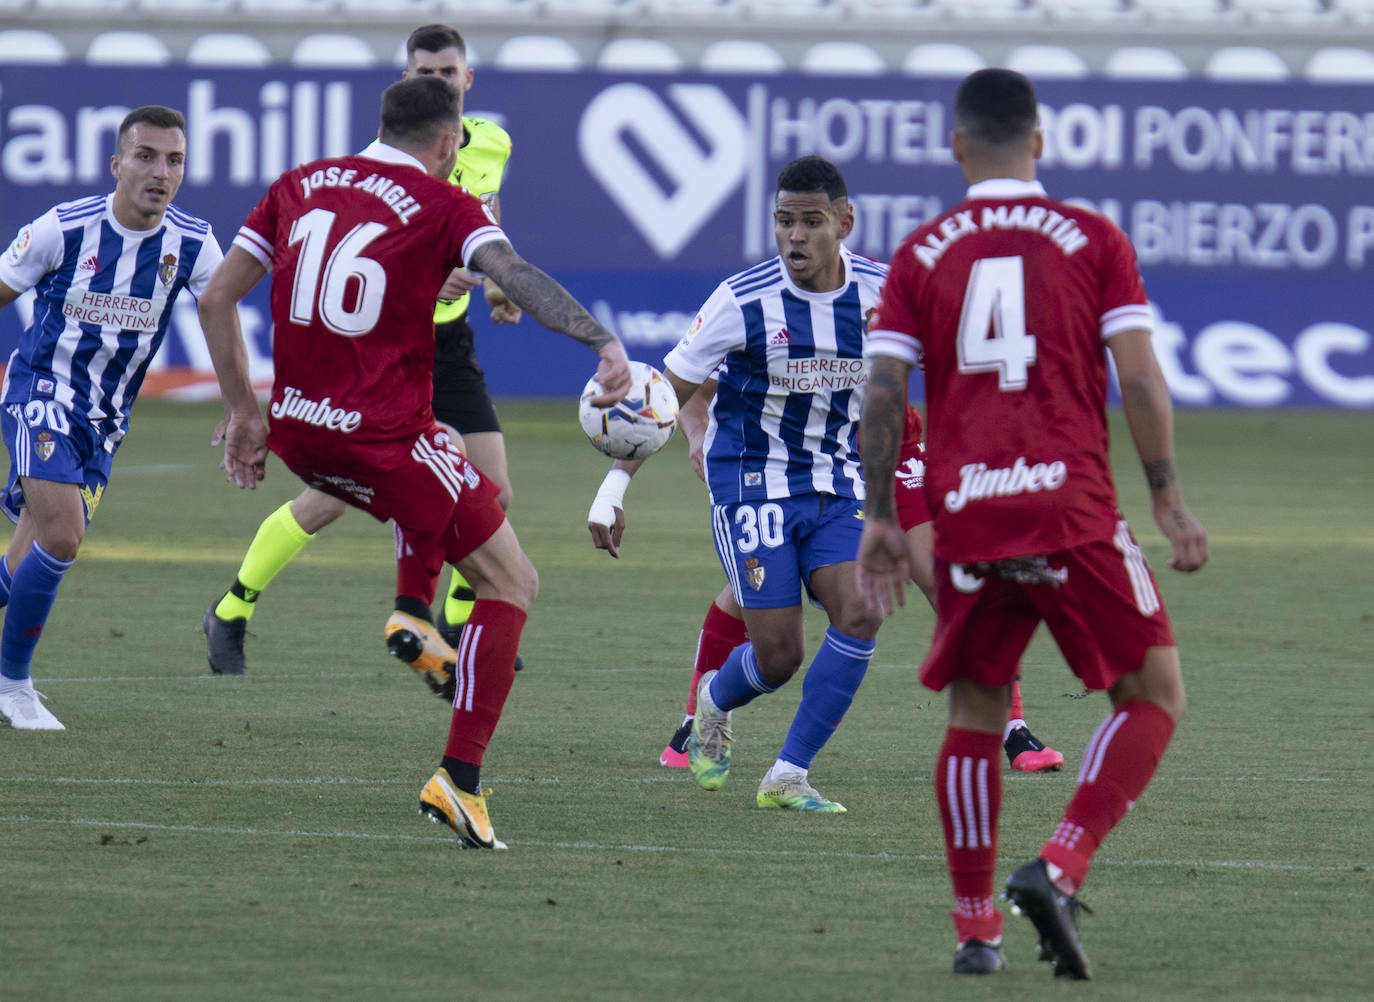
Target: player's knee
<point>777,662</point>
<point>523,587</point>
<point>858,622</point>
<point>62,541</point>
<point>1159,680</point>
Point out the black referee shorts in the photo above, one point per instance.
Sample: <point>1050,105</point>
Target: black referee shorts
<point>461,398</point>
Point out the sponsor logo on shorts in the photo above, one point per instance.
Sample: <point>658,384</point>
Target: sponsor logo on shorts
<point>47,386</point>
<point>964,580</point>
<point>753,479</point>
<point>754,573</point>
<point>977,482</point>
<point>320,413</point>
<point>91,499</point>
<point>361,492</point>
<point>912,474</point>
<point>43,446</point>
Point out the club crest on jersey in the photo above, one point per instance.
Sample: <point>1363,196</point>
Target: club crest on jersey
<point>43,446</point>
<point>168,270</point>
<point>754,572</point>
<point>868,317</point>
<point>91,499</point>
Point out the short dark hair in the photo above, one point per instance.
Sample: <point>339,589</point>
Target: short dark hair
<point>996,106</point>
<point>435,38</point>
<point>150,114</point>
<point>417,110</point>
<point>813,174</point>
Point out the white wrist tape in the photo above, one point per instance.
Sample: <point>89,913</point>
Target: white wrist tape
<point>609,496</point>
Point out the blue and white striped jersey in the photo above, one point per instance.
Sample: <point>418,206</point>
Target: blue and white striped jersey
<point>786,413</point>
<point>104,300</point>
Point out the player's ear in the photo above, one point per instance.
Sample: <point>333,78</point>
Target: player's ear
<point>847,219</point>
<point>1038,145</point>
<point>956,145</point>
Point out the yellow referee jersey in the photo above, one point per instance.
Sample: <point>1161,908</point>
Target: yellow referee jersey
<point>481,166</point>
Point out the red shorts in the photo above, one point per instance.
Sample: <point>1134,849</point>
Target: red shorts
<point>439,501</point>
<point>912,509</point>
<point>1103,610</point>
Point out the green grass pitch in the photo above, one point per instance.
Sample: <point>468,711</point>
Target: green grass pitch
<point>194,837</point>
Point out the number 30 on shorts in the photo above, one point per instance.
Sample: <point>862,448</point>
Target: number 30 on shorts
<point>38,413</point>
<point>762,524</point>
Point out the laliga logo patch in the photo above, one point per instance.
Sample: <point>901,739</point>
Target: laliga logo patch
<point>20,244</point>
<point>699,180</point>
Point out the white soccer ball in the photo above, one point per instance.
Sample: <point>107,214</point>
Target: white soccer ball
<point>639,425</point>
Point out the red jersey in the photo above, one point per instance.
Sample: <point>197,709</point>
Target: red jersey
<point>358,247</point>
<point>1006,300</point>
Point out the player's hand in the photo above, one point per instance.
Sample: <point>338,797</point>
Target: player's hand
<point>245,448</point>
<point>218,437</point>
<point>696,455</point>
<point>1185,534</point>
<point>459,283</point>
<point>503,311</point>
<point>612,375</point>
<point>882,569</point>
<point>607,526</point>
<point>506,313</point>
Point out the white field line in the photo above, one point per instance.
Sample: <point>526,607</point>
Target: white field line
<point>200,676</point>
<point>674,776</point>
<point>883,857</point>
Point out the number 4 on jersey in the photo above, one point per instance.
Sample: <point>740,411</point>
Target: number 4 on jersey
<point>992,325</point>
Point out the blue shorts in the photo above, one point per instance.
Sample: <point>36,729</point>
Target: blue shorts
<point>770,548</point>
<point>46,444</point>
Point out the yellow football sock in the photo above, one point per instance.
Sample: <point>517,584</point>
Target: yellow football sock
<point>278,539</point>
<point>458,601</point>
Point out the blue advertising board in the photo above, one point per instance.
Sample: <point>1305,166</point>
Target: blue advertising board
<point>1249,205</point>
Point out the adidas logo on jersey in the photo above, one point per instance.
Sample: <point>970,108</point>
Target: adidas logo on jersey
<point>781,337</point>
<point>90,264</point>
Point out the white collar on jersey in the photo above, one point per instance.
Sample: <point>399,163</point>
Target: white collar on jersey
<point>388,154</point>
<point>1006,187</point>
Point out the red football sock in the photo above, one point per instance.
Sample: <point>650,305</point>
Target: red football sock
<point>968,790</point>
<point>1118,765</point>
<point>1017,711</point>
<point>419,559</point>
<point>484,674</point>
<point>721,633</point>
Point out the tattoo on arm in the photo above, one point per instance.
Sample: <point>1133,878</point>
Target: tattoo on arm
<point>539,295</point>
<point>884,417</point>
<point>1159,473</point>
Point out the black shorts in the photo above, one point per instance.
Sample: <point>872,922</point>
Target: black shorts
<point>460,387</point>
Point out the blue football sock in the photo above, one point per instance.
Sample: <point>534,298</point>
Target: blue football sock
<point>6,581</point>
<point>738,680</point>
<point>32,591</point>
<point>828,689</point>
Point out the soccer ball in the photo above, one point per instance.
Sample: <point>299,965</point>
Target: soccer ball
<point>639,425</point>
